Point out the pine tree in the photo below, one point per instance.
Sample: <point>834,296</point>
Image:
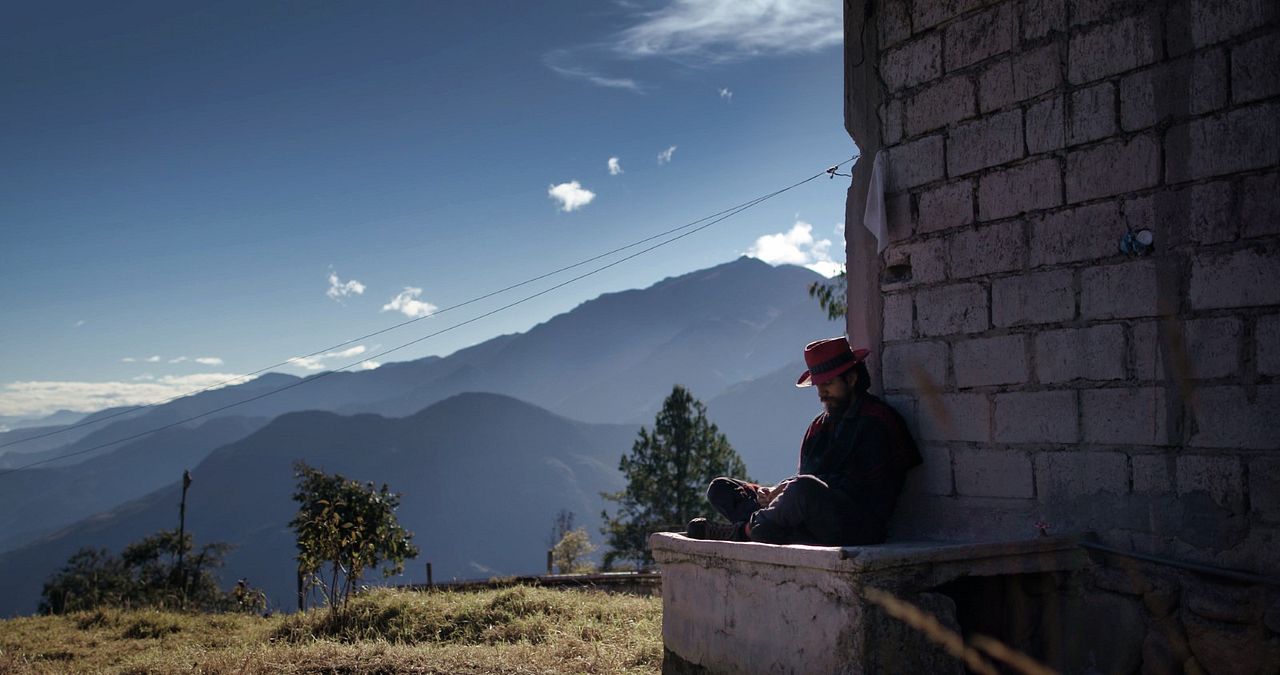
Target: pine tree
<point>667,474</point>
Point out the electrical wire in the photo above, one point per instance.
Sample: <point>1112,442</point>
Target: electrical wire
<point>240,379</point>
<point>707,221</point>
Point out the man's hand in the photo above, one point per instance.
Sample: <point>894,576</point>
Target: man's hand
<point>765,494</point>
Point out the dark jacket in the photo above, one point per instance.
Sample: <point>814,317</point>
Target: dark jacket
<point>865,454</point>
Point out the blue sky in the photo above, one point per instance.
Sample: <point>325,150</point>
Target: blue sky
<point>193,190</point>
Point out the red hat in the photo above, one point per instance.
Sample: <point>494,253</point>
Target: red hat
<point>827,359</point>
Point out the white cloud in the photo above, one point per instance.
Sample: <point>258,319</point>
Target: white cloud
<point>408,304</point>
<point>35,398</point>
<point>128,359</point>
<point>615,167</point>
<point>368,365</point>
<point>721,30</point>
<point>339,289</point>
<point>153,359</point>
<point>180,359</point>
<point>726,94</point>
<point>572,196</point>
<point>317,362</point>
<point>664,157</point>
<point>797,246</point>
<point>79,323</point>
<point>208,360</point>
<point>839,230</point>
<point>579,73</point>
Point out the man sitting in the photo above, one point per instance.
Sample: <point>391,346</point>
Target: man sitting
<point>853,461</point>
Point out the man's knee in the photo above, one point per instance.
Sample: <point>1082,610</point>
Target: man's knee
<point>804,487</point>
<point>721,489</point>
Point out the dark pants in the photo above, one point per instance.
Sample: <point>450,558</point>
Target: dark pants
<point>807,511</point>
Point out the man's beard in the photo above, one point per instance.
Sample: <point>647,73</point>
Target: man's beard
<point>835,405</point>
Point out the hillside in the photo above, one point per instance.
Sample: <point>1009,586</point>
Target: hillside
<point>724,332</point>
<point>482,477</point>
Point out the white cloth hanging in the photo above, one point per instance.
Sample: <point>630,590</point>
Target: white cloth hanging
<point>874,219</point>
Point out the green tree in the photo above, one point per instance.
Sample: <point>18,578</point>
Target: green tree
<point>832,295</point>
<point>569,555</point>
<point>667,474</point>
<point>348,528</point>
<point>145,574</point>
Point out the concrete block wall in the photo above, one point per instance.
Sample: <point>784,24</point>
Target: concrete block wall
<point>1050,378</point>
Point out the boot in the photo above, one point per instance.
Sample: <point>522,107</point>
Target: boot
<point>701,528</point>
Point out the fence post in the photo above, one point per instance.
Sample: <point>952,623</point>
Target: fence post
<point>548,562</point>
<point>429,584</point>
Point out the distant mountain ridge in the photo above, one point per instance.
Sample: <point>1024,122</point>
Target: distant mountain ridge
<point>482,476</point>
<point>733,334</point>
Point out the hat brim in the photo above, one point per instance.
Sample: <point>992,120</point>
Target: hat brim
<point>808,380</point>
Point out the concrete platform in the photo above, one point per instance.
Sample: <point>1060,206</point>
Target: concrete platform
<point>733,607</point>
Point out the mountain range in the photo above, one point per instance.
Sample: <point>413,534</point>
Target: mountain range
<point>733,334</point>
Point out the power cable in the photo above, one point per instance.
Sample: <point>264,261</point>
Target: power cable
<point>713,219</point>
<point>239,378</point>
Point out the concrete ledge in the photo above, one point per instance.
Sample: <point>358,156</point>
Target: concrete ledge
<point>731,607</point>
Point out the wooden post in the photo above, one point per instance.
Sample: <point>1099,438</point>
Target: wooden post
<point>182,540</point>
<point>429,584</point>
<point>549,560</point>
<point>302,596</point>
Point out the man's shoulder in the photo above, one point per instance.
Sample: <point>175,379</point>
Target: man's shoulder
<point>876,408</point>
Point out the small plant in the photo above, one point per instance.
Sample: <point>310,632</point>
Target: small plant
<point>570,553</point>
<point>344,528</point>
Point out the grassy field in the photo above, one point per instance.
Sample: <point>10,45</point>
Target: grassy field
<point>513,630</point>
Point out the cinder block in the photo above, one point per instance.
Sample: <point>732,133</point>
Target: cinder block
<point>1085,12</point>
<point>1094,353</point>
<point>1130,416</point>
<point>1126,290</point>
<point>947,206</point>
<point>902,361</point>
<point>912,63</point>
<point>1093,114</point>
<point>923,263</point>
<point>1027,187</point>
<point>1266,340</point>
<point>940,104</point>
<point>1041,17</point>
<point>1075,473</point>
<point>1112,48</point>
<point>1047,126</point>
<point>1245,278</point>
<point>914,163</point>
<point>1232,417</point>
<point>981,36</point>
<point>894,22</point>
<point>1112,168</point>
<point>1200,214</point>
<point>950,309</point>
<point>1221,477</point>
<point>1243,139</point>
<point>1214,21</point>
<point>989,361</point>
<point>1259,208</point>
<point>1146,352</point>
<point>891,122</point>
<point>933,476</point>
<point>993,473</point>
<point>926,15</point>
<point>898,217</point>
<point>1214,347</point>
<point>989,141</point>
<point>1086,233</point>
<point>1254,74</point>
<point>1188,86</point>
<point>1037,417</point>
<point>1152,474</point>
<point>1043,297</point>
<point>897,316</point>
<point>986,250</point>
<point>1019,78</point>
<point>1264,488</point>
<point>954,417</point>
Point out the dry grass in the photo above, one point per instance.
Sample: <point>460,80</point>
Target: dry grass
<point>514,630</point>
